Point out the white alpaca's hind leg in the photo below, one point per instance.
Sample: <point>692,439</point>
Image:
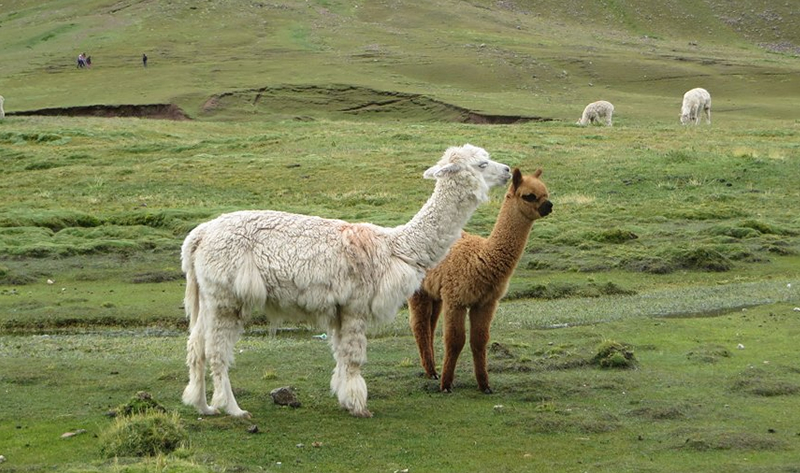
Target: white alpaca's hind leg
<point>195,392</point>
<point>351,354</point>
<point>225,330</point>
<point>337,378</point>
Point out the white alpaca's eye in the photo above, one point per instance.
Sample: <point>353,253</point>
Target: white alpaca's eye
<point>483,165</point>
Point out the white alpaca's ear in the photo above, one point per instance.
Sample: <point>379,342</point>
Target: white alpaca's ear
<point>436,172</point>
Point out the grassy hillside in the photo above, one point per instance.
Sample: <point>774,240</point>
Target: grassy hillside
<point>507,57</point>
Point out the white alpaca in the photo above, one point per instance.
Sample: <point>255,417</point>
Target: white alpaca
<point>2,112</point>
<point>596,111</point>
<point>334,274</point>
<point>695,101</point>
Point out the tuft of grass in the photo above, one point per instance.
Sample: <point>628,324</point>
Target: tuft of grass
<point>144,434</point>
<point>561,290</point>
<point>766,383</point>
<point>613,354</point>
<point>141,403</point>
<point>708,353</point>
<point>739,441</point>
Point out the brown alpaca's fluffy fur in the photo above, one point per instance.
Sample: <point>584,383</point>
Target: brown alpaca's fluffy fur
<point>472,279</point>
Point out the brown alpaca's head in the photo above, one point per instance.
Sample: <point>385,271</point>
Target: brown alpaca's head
<point>530,194</point>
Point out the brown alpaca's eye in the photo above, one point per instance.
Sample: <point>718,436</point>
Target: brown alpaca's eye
<point>529,197</point>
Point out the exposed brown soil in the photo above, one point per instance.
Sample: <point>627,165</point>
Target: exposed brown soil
<point>348,101</point>
<point>304,101</point>
<point>157,111</point>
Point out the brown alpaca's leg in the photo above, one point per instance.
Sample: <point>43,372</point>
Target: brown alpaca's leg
<point>454,340</point>
<point>423,313</point>
<point>480,321</point>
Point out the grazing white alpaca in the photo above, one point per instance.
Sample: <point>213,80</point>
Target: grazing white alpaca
<point>596,111</point>
<point>338,275</point>
<point>2,112</point>
<point>695,101</point>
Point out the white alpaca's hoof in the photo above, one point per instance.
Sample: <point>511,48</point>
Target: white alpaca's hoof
<point>208,411</point>
<point>240,414</point>
<point>365,413</point>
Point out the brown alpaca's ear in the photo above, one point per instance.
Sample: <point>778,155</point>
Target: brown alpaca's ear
<point>516,177</point>
<point>538,173</point>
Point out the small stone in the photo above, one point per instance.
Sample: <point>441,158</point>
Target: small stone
<point>285,396</point>
<point>740,346</point>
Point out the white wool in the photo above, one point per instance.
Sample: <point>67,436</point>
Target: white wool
<point>597,111</point>
<point>696,101</point>
<point>337,275</point>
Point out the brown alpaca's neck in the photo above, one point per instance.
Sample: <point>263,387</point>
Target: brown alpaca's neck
<point>508,238</point>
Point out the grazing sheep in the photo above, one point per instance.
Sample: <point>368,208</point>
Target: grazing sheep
<point>694,101</point>
<point>596,111</point>
<point>2,112</point>
<point>338,275</point>
<point>472,278</point>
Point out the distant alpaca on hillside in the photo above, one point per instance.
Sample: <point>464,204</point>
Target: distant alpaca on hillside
<point>473,277</point>
<point>695,101</point>
<point>331,273</point>
<point>2,112</point>
<point>596,111</point>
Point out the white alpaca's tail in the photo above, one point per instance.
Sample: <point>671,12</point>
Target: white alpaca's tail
<point>191,298</point>
<point>195,392</point>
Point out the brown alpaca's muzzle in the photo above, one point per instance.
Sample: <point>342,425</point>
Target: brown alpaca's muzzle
<point>545,208</point>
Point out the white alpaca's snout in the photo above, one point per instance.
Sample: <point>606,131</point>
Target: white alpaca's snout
<point>496,174</point>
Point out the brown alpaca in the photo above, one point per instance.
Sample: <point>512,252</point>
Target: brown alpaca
<point>472,278</point>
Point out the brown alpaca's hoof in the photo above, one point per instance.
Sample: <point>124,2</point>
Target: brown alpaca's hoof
<point>447,390</point>
<point>488,390</point>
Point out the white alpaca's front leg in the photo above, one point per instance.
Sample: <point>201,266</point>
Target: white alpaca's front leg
<point>350,352</point>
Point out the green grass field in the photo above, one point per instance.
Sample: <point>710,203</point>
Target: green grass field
<point>682,243</point>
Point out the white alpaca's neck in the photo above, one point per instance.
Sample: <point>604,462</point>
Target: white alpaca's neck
<point>426,238</point>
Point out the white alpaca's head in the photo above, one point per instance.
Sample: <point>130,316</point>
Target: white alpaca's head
<point>474,161</point>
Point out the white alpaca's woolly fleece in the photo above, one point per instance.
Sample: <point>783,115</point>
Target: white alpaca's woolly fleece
<point>597,111</point>
<point>695,102</point>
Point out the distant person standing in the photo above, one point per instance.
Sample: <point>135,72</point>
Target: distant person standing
<point>88,61</point>
<point>2,112</point>
<point>144,60</point>
<point>81,61</point>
